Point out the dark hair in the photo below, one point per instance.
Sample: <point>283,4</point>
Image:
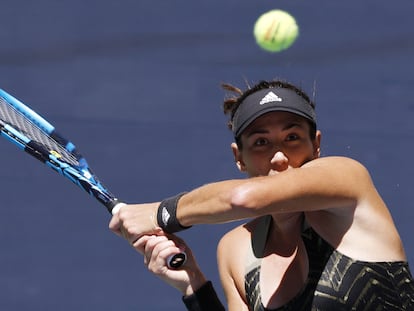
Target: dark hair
<point>234,100</point>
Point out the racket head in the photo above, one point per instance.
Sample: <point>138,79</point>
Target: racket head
<point>32,133</point>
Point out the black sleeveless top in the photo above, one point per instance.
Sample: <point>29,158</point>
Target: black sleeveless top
<point>335,281</point>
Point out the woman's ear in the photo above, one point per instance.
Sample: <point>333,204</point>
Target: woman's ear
<point>238,157</point>
<point>317,144</point>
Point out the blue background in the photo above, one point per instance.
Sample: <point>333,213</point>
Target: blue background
<point>135,84</point>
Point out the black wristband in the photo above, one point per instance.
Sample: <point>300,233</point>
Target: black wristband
<point>204,299</point>
<point>167,214</point>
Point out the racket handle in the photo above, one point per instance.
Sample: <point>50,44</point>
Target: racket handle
<point>115,209</point>
<point>174,261</point>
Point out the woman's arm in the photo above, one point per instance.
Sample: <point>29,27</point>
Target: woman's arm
<point>324,183</point>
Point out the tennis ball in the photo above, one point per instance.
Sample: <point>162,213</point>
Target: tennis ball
<point>275,30</point>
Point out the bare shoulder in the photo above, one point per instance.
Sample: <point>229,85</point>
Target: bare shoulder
<point>345,167</point>
<point>231,256</point>
<point>337,161</point>
<point>333,160</point>
<point>233,246</point>
<point>234,238</point>
<point>355,220</point>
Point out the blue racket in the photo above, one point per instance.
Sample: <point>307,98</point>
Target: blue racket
<point>32,133</point>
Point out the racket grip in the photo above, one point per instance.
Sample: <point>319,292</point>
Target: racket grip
<point>174,261</point>
<point>115,209</point>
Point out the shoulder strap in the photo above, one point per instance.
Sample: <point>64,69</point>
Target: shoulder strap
<point>258,242</point>
<point>253,261</point>
<point>259,236</point>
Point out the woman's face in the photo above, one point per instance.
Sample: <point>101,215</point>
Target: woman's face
<point>274,142</point>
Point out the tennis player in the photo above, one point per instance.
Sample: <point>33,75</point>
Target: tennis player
<point>319,236</point>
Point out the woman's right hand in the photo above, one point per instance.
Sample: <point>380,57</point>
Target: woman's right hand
<point>158,249</point>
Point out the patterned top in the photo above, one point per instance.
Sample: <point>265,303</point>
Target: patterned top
<point>337,282</point>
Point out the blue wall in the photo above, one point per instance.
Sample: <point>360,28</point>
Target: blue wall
<point>135,84</point>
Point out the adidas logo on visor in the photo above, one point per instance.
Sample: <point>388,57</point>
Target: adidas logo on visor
<point>269,98</point>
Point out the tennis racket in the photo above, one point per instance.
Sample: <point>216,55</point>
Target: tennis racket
<point>32,133</point>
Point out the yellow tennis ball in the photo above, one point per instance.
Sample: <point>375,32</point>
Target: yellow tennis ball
<point>275,30</point>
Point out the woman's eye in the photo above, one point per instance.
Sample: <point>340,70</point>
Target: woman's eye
<point>261,142</point>
<point>292,137</point>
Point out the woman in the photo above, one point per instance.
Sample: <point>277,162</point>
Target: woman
<point>321,237</point>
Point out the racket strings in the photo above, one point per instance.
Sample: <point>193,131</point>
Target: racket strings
<point>14,118</point>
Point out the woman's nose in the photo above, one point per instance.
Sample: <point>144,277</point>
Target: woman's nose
<point>279,161</point>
